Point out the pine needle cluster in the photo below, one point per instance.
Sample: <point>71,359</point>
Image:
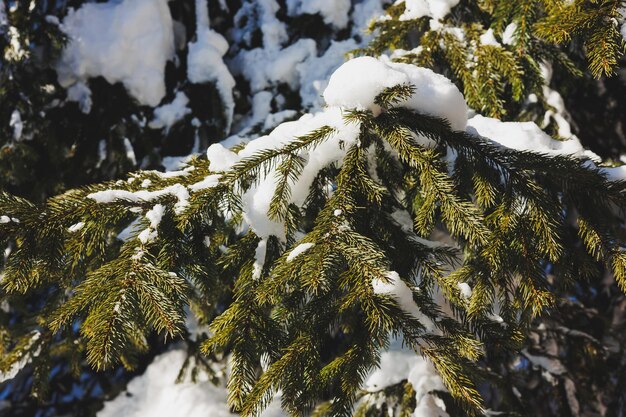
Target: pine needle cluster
<point>312,325</point>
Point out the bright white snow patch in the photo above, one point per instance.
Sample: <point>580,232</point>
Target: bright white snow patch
<point>16,367</point>
<point>398,364</point>
<point>397,288</point>
<point>17,124</point>
<point>126,41</point>
<point>465,289</point>
<point>205,64</point>
<point>356,84</point>
<point>437,9</point>
<point>76,227</point>
<point>334,12</point>
<point>221,159</point>
<point>169,114</point>
<point>156,394</point>
<point>509,35</point>
<point>299,250</point>
<point>315,71</point>
<point>488,38</point>
<point>265,67</point>
<point>259,259</point>
<point>209,181</point>
<point>526,136</point>
<point>256,201</point>
<point>177,190</point>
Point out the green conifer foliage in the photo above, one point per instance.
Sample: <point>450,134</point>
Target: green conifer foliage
<point>315,319</point>
<point>498,78</point>
<point>308,316</point>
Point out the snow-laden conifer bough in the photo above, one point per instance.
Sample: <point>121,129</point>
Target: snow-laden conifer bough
<point>377,170</point>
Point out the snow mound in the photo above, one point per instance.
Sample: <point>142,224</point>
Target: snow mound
<point>437,9</point>
<point>523,136</point>
<point>256,201</point>
<point>126,41</point>
<point>398,364</point>
<point>356,84</point>
<point>156,394</point>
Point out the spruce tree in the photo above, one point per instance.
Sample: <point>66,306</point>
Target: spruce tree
<point>379,219</point>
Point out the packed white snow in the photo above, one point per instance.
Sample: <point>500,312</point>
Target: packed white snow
<point>437,9</point>
<point>266,67</point>
<point>398,364</point>
<point>205,64</point>
<point>356,84</point>
<point>169,114</point>
<point>156,394</point>
<point>177,190</point>
<point>465,289</point>
<point>17,366</point>
<point>256,201</point>
<point>488,38</point>
<point>17,124</point>
<point>299,250</point>
<point>334,12</point>
<point>209,181</point>
<point>395,287</point>
<point>510,33</point>
<point>315,72</point>
<point>126,41</point>
<point>523,136</point>
<point>76,227</point>
<point>221,158</point>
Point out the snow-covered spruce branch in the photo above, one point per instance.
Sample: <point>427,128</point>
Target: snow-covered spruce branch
<point>314,237</point>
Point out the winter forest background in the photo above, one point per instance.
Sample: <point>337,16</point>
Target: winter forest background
<point>317,208</point>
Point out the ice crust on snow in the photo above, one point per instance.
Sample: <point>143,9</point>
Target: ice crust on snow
<point>356,84</point>
<point>126,41</point>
